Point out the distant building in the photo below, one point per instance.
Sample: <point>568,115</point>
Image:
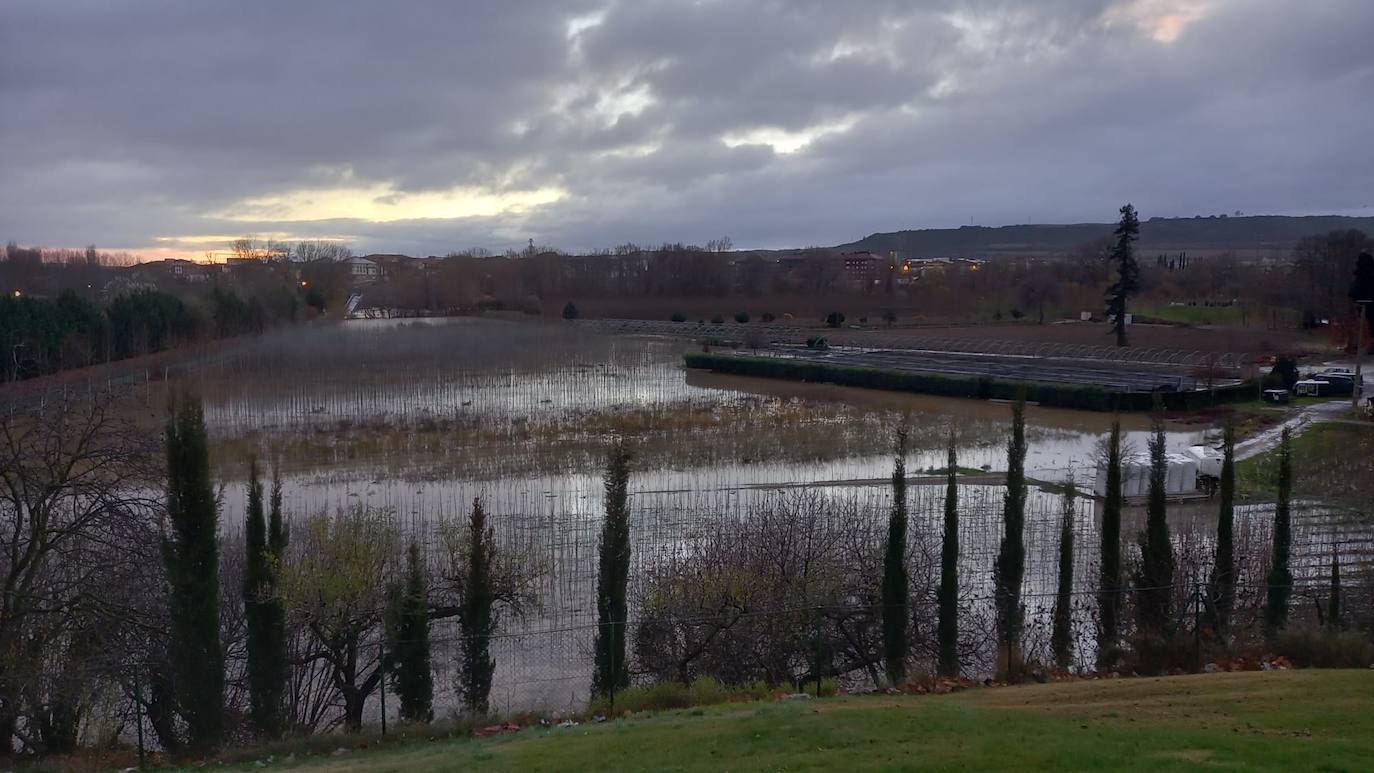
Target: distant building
<point>364,270</point>
<point>863,269</point>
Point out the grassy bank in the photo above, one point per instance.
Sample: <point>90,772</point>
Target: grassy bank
<point>1080,396</point>
<point>1294,720</point>
<point>1331,462</point>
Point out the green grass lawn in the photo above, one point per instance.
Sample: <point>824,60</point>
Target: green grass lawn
<point>1190,315</point>
<point>1294,720</point>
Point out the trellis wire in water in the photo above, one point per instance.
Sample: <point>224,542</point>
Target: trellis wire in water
<point>465,370</point>
<point>544,659</point>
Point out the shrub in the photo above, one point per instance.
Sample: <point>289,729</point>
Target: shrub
<point>1016,313</point>
<point>719,319</point>
<point>834,319</point>
<point>742,317</point>
<point>679,317</point>
<point>660,696</point>
<point>1154,654</point>
<point>1316,648</point>
<point>767,316</point>
<point>570,311</point>
<point>817,342</point>
<point>787,315</point>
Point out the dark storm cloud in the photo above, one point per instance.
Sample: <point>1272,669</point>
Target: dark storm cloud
<point>123,123</point>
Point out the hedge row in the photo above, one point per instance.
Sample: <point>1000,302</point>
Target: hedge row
<point>1082,396</point>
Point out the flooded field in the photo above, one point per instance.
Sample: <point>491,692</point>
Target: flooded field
<point>421,417</point>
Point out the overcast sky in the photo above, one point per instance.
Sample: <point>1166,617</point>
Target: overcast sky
<point>425,127</point>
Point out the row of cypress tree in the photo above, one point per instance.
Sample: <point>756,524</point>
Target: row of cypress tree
<point>1151,584</point>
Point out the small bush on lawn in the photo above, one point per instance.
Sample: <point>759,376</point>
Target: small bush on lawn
<point>742,317</point>
<point>1317,648</point>
<point>719,319</point>
<point>570,311</point>
<point>1154,654</point>
<point>834,319</point>
<point>767,316</point>
<point>679,317</point>
<point>817,342</point>
<point>660,696</point>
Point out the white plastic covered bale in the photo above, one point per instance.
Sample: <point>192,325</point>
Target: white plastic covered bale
<point>1208,460</point>
<point>1182,474</point>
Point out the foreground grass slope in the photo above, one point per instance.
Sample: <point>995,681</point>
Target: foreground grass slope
<point>1295,720</point>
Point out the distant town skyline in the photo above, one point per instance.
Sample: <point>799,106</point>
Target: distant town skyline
<point>169,129</point>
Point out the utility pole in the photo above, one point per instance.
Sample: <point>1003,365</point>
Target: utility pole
<point>1360,318</point>
<point>1360,321</point>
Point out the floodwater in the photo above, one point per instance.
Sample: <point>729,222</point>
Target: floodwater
<point>421,416</point>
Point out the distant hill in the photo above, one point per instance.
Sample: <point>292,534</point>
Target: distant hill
<point>1266,233</point>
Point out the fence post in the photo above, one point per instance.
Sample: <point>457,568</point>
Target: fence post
<point>1197,625</point>
<point>381,667</point>
<point>138,718</point>
<point>816,622</point>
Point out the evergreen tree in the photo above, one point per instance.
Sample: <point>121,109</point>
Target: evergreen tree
<point>1011,557</point>
<point>1155,578</point>
<point>1223,590</point>
<point>407,641</point>
<point>476,615</point>
<point>1128,271</point>
<point>895,590</point>
<point>1280,580</point>
<point>191,555</point>
<point>263,609</point>
<point>1333,599</point>
<point>1109,579</point>
<point>948,633</point>
<point>611,671</point>
<point>1061,638</point>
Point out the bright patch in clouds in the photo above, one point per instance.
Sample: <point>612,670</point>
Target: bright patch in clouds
<point>1162,20</point>
<point>381,203</point>
<point>786,141</point>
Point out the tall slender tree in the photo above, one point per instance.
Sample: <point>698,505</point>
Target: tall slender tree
<point>1127,271</point>
<point>1155,578</point>
<point>1061,637</point>
<point>476,615</point>
<point>1280,579</point>
<point>895,590</point>
<point>1011,557</point>
<point>1109,578</point>
<point>1223,590</point>
<point>948,633</point>
<point>407,640</point>
<point>191,554</point>
<point>263,608</point>
<point>1333,598</point>
<point>611,671</point>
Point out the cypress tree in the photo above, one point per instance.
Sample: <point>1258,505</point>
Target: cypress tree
<point>1109,580</point>
<point>1061,638</point>
<point>1010,568</point>
<point>476,616</point>
<point>1333,599</point>
<point>1128,271</point>
<point>407,646</point>
<point>895,590</point>
<point>191,555</point>
<point>263,609</point>
<point>611,672</point>
<point>1155,578</point>
<point>1280,580</point>
<point>948,633</point>
<point>1223,591</point>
